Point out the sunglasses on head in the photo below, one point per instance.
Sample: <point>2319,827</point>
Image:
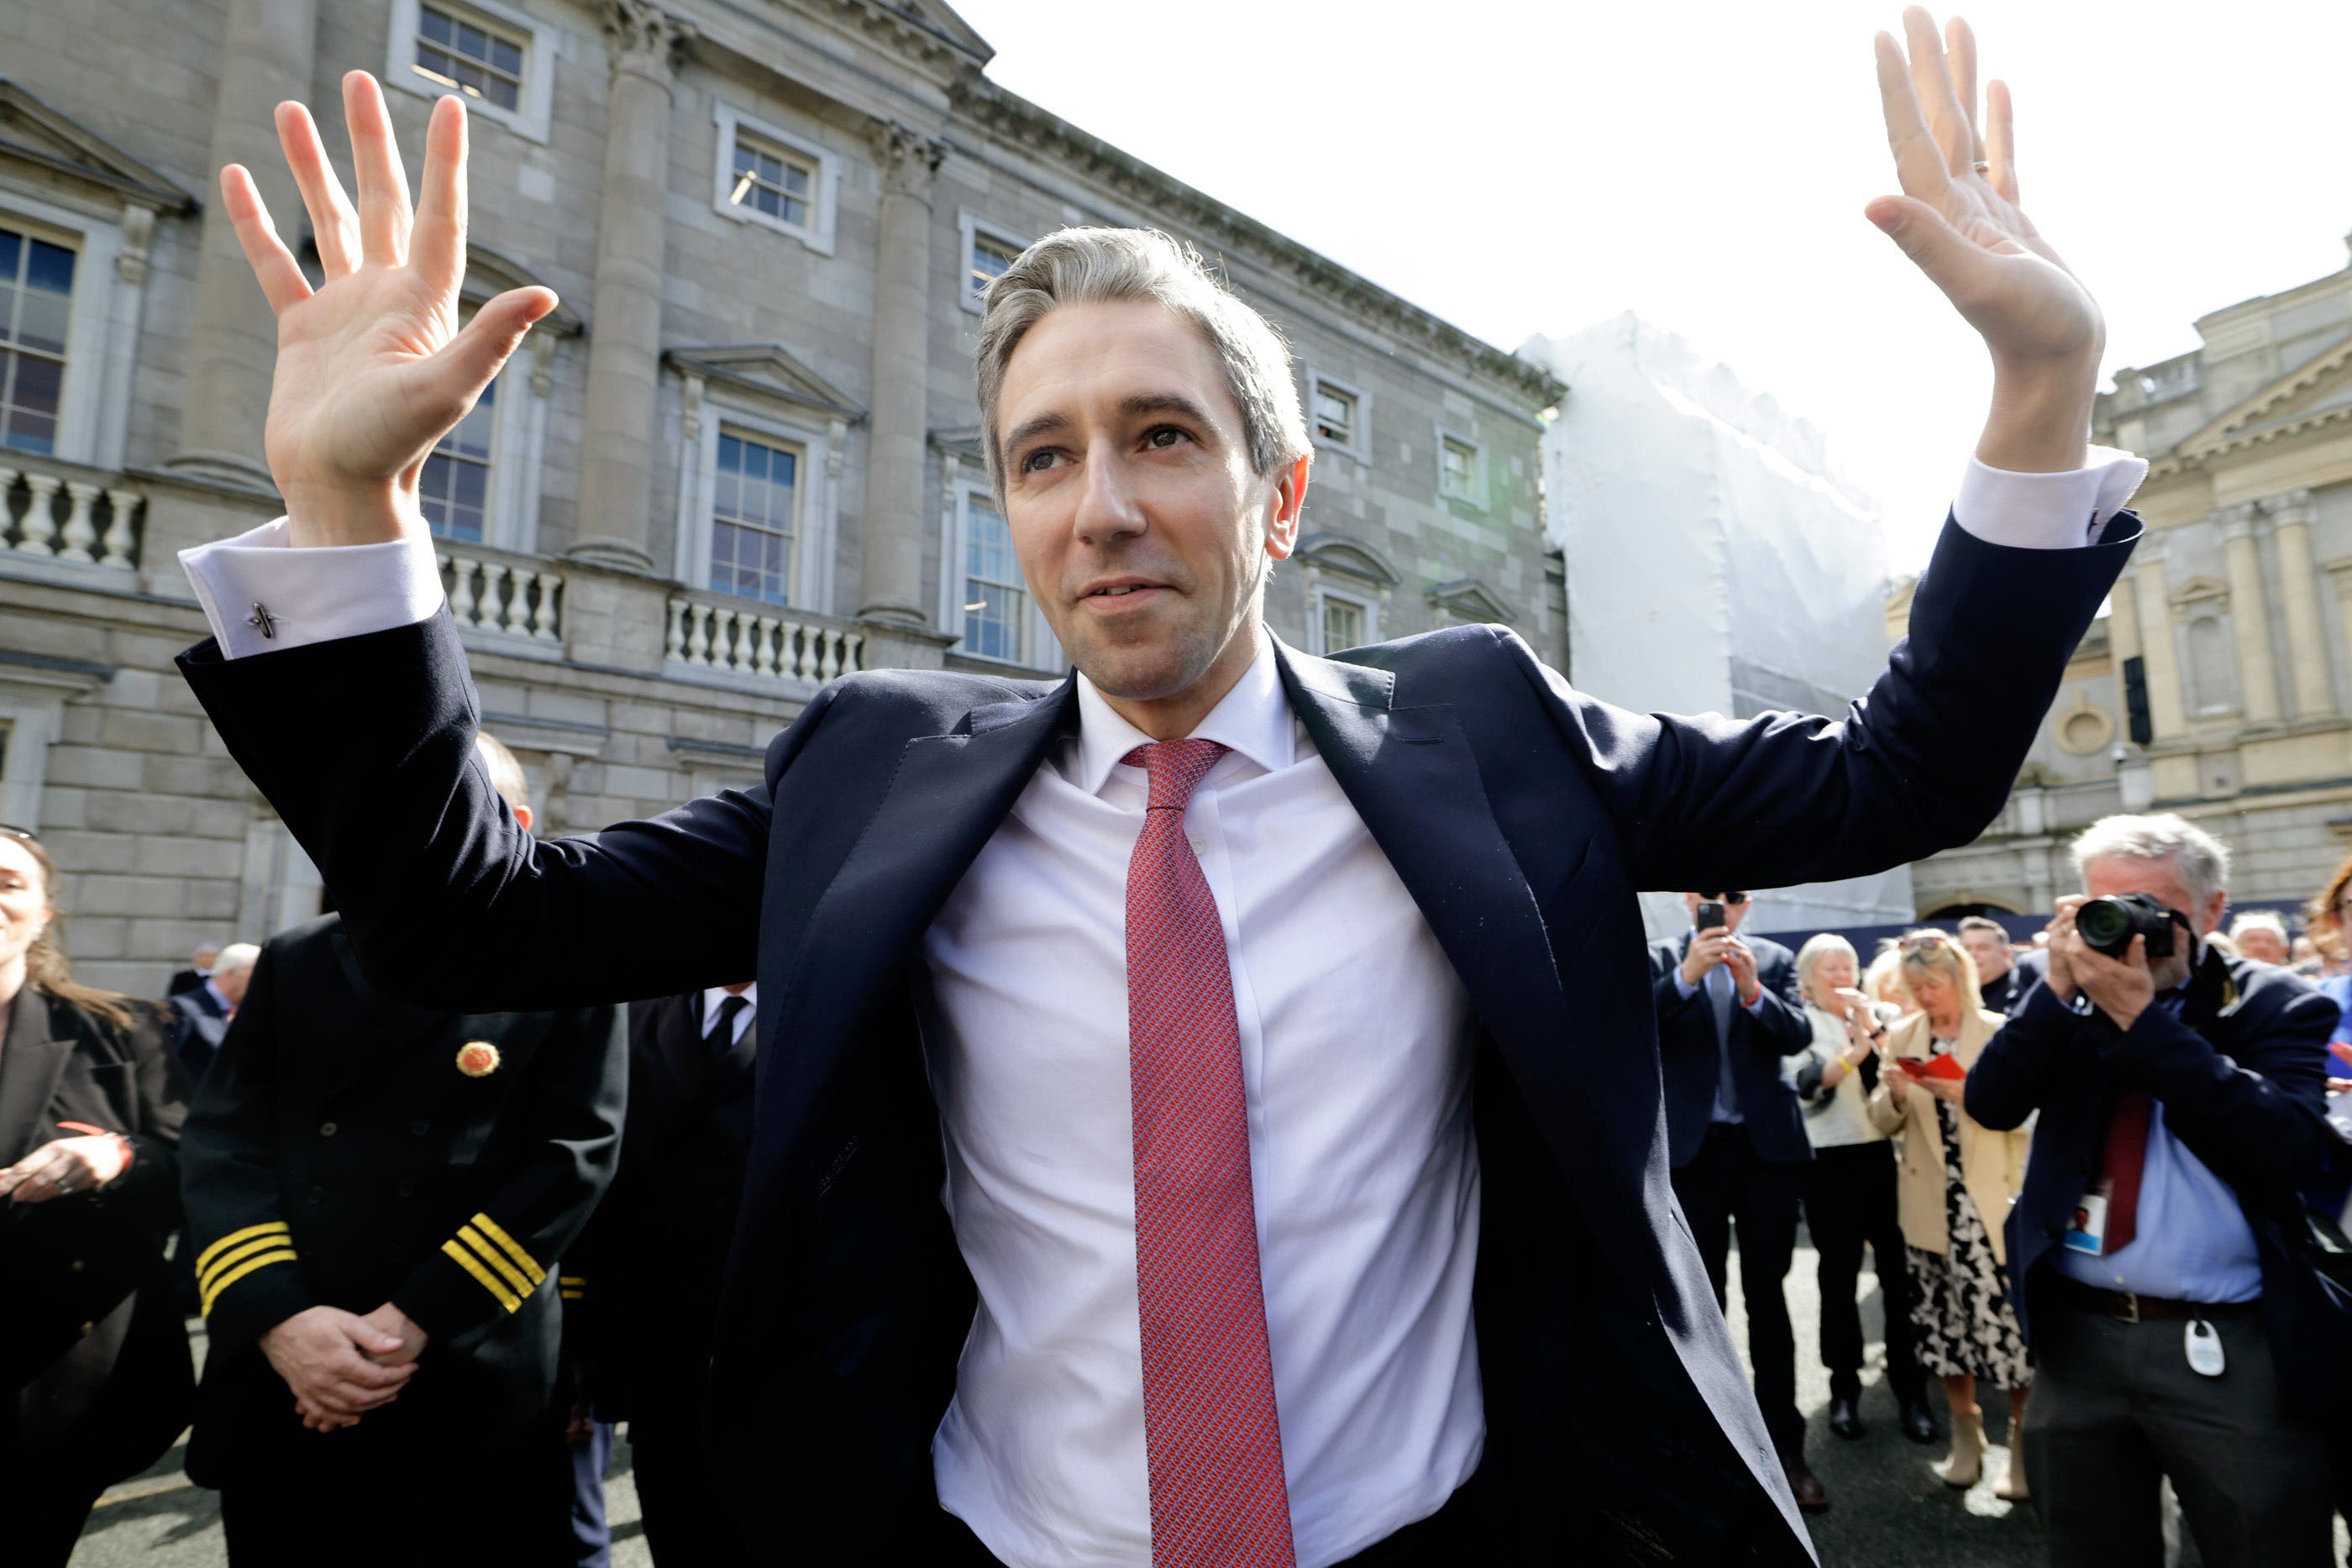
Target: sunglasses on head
<point>1726,898</point>
<point>1925,939</point>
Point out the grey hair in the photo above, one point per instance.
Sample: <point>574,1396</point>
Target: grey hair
<point>1816,948</point>
<point>1100,266</point>
<point>2268,919</point>
<point>237,956</point>
<point>2196,856</point>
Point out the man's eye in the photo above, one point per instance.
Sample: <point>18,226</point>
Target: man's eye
<point>1035,461</point>
<point>1163,436</point>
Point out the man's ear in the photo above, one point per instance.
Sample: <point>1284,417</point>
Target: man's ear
<point>524,816</point>
<point>1283,508</point>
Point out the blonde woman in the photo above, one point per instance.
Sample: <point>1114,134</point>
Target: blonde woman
<point>1850,1187</point>
<point>1955,1183</point>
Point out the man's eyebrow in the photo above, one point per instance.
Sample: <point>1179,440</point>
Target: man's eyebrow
<point>1167,403</point>
<point>1029,429</point>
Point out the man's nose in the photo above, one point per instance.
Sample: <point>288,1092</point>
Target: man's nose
<point>1108,508</point>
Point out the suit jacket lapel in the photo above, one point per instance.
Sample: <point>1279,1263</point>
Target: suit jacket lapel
<point>31,1063</point>
<point>946,798</point>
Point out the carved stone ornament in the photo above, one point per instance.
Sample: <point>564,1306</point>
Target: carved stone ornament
<point>909,158</point>
<point>642,37</point>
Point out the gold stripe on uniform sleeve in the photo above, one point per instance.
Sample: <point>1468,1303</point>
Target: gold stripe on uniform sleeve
<point>490,1281</point>
<point>238,1254</point>
<point>522,1259</point>
<point>267,1228</point>
<point>490,1254</point>
<point>224,1280</point>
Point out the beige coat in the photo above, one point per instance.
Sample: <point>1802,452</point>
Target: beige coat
<point>1992,1164</point>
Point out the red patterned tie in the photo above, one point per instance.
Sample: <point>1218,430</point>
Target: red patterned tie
<point>1211,1437</point>
<point>2122,1157</point>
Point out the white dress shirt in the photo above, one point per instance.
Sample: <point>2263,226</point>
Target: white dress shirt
<point>1355,1037</point>
<point>715,995</point>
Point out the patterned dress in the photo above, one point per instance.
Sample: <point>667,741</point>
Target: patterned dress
<point>1959,1298</point>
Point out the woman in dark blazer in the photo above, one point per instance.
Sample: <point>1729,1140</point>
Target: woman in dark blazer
<point>92,1349</point>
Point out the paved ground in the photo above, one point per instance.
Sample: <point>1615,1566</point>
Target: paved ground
<point>1888,1507</point>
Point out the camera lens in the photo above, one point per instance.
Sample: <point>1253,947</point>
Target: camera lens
<point>2104,925</point>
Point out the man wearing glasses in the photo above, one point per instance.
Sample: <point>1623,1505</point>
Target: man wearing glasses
<point>1728,1012</point>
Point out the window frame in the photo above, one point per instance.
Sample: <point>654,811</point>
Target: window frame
<point>971,229</point>
<point>1359,446</point>
<point>795,534</point>
<point>811,576</point>
<point>492,497</point>
<point>1321,591</point>
<point>94,399</point>
<point>1476,496</point>
<point>825,196</point>
<point>1041,649</point>
<point>535,98</point>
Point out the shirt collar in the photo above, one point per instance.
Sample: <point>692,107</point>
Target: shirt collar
<point>712,995</point>
<point>1253,719</point>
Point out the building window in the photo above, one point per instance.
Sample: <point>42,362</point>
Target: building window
<point>987,251</point>
<point>1335,414</point>
<point>1458,477</point>
<point>1337,620</point>
<point>754,502</point>
<point>468,55</point>
<point>768,176</point>
<point>455,490</point>
<point>780,184</point>
<point>995,598</point>
<point>1343,623</point>
<point>37,277</point>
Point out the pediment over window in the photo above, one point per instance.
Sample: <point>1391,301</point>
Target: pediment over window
<point>32,132</point>
<point>962,441</point>
<point>1470,602</point>
<point>2208,591</point>
<point>491,273</point>
<point>1335,552</point>
<point>768,369</point>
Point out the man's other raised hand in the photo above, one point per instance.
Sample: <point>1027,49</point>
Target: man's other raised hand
<point>1960,220</point>
<point>373,367</point>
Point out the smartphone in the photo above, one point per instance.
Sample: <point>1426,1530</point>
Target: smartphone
<point>1710,915</point>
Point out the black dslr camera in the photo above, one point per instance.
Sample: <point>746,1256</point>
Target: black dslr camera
<point>2110,924</point>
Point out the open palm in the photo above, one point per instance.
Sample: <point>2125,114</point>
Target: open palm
<point>1960,218</point>
<point>373,367</point>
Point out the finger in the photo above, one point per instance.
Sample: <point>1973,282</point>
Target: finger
<point>1952,262</point>
<point>1919,163</point>
<point>375,159</point>
<point>1960,48</point>
<point>333,225</point>
<point>282,283</point>
<point>361,1373</point>
<point>1931,77</point>
<point>477,352</point>
<point>2000,142</point>
<point>362,1399</point>
<point>437,247</point>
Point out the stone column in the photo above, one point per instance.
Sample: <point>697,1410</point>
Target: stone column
<point>632,247</point>
<point>2165,714</point>
<point>266,56</point>
<point>2250,617</point>
<point>893,585</point>
<point>2306,639</point>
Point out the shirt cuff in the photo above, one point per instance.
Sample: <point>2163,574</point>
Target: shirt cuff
<point>1683,988</point>
<point>2046,511</point>
<point>263,595</point>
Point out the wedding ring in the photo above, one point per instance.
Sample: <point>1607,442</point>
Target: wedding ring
<point>1983,167</point>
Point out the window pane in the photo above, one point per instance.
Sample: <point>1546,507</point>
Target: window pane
<point>754,495</point>
<point>41,321</point>
<point>1343,625</point>
<point>434,26</point>
<point>36,384</point>
<point>7,313</point>
<point>506,56</point>
<point>49,266</point>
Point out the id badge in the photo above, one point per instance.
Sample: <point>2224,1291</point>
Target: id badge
<point>2204,1347</point>
<point>2088,1232</point>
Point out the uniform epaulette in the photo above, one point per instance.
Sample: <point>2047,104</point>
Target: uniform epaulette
<point>495,1260</point>
<point>238,1254</point>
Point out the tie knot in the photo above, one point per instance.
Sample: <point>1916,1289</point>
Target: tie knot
<point>1173,768</point>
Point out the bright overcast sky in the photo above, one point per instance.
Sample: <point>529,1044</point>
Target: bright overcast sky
<point>1520,168</point>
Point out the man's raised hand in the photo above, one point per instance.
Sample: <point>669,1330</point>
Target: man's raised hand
<point>1961,221</point>
<point>373,369</point>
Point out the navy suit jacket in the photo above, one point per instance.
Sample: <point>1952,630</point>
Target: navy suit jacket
<point>1520,814</point>
<point>2242,1075</point>
<point>1691,1057</point>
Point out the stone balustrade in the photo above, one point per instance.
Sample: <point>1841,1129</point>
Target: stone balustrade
<point>62,511</point>
<point>511,595</point>
<point>713,632</point>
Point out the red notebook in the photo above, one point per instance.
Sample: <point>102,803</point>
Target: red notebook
<point>1931,1067</point>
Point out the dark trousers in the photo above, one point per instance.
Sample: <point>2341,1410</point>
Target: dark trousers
<point>689,1518</point>
<point>511,1509</point>
<point>2116,1410</point>
<point>1850,1200</point>
<point>39,1526</point>
<point>1726,1184</point>
<point>1446,1539</point>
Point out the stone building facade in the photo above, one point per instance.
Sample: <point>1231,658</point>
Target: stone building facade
<point>742,460</point>
<point>2217,685</point>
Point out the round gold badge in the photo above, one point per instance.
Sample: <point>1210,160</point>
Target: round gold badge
<point>478,1058</point>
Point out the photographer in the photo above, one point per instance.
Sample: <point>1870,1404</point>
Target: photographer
<point>2180,1100</point>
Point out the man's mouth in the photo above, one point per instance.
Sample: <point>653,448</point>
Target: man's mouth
<point>1120,594</point>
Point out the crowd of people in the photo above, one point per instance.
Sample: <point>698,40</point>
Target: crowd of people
<point>1960,1109</point>
<point>2085,1134</point>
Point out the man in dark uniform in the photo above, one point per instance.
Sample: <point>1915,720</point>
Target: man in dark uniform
<point>378,1193</point>
<point>657,1250</point>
